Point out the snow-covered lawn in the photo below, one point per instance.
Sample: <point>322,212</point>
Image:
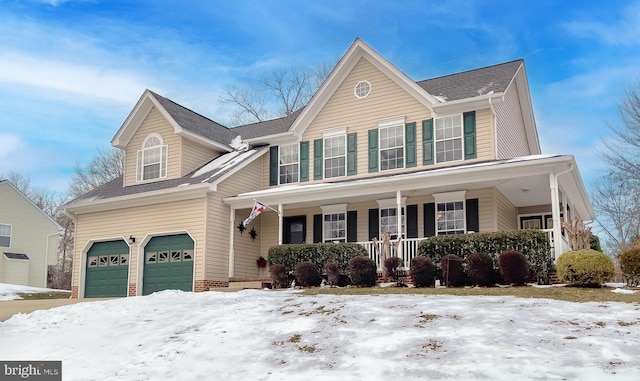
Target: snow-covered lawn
<point>282,335</point>
<point>11,291</point>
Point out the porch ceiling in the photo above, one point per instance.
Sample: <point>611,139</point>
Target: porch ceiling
<point>527,191</point>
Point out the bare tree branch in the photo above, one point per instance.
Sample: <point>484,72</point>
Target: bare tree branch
<point>105,166</point>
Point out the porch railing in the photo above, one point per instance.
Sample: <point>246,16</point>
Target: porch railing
<point>407,251</point>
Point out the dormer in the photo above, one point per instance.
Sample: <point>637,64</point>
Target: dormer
<point>163,140</point>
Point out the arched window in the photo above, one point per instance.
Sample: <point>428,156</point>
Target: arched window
<point>152,159</point>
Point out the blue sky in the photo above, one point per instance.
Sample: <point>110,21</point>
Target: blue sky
<point>71,71</point>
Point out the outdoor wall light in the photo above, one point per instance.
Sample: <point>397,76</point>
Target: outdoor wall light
<point>132,239</point>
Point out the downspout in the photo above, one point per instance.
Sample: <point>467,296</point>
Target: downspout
<point>555,210</point>
<point>280,222</point>
<point>232,222</point>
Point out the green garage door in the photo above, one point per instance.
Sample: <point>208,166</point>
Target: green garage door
<point>168,264</point>
<point>107,269</point>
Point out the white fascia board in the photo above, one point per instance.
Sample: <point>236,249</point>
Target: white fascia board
<point>133,121</point>
<point>405,182</point>
<point>179,193</point>
<point>467,104</point>
<point>204,141</point>
<point>359,49</point>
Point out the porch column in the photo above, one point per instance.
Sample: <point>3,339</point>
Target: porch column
<point>555,214</point>
<point>399,213</point>
<point>232,220</point>
<point>279,224</point>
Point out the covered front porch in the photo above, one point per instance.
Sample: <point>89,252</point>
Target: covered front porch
<point>537,192</point>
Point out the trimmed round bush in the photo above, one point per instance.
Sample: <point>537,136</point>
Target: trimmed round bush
<point>585,268</point>
<point>452,270</point>
<point>514,267</point>
<point>423,272</point>
<point>391,268</point>
<point>307,275</point>
<point>630,265</point>
<point>279,277</point>
<point>363,271</point>
<point>480,269</point>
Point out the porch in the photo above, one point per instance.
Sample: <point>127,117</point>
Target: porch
<point>407,249</point>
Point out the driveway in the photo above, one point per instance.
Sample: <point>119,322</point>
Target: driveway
<point>11,307</point>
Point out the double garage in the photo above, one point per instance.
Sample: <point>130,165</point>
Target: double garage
<point>168,264</point>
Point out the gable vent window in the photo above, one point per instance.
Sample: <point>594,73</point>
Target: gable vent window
<point>152,159</point>
<point>362,89</point>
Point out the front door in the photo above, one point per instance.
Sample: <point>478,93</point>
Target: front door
<point>294,229</point>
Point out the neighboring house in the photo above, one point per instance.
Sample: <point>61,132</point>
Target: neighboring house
<point>28,239</point>
<point>373,151</point>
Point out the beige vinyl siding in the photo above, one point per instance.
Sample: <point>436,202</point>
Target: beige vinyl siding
<point>153,123</point>
<point>386,100</point>
<point>485,207</point>
<point>537,209</point>
<point>32,233</point>
<point>511,135</point>
<point>195,155</point>
<point>141,222</point>
<point>246,251</point>
<point>16,271</point>
<point>485,141</point>
<point>506,213</point>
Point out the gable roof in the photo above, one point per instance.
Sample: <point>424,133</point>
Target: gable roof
<point>36,207</point>
<point>473,83</point>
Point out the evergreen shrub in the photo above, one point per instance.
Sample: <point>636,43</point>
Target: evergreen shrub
<point>630,265</point>
<point>363,271</point>
<point>307,275</point>
<point>279,276</point>
<point>480,269</point>
<point>585,268</point>
<point>514,267</point>
<point>423,272</point>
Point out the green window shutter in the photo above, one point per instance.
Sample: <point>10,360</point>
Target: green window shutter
<point>410,137</point>
<point>473,220</point>
<point>373,150</point>
<point>352,226</point>
<point>317,159</point>
<point>429,219</point>
<point>304,161</point>
<point>469,121</point>
<point>317,228</point>
<point>352,157</point>
<point>427,141</point>
<point>273,165</point>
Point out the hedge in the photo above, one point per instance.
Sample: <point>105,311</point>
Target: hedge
<point>630,265</point>
<point>534,244</point>
<point>317,253</point>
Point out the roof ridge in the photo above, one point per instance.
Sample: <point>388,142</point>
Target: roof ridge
<point>471,70</point>
<point>188,109</point>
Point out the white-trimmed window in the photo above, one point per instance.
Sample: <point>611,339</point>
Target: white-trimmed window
<point>388,214</point>
<point>391,144</point>
<point>334,223</point>
<point>289,163</point>
<point>362,89</point>
<point>335,156</point>
<point>152,159</point>
<point>5,235</point>
<point>448,138</point>
<point>450,213</point>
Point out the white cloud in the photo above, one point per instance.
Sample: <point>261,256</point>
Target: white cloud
<point>9,144</point>
<point>93,82</point>
<point>624,31</point>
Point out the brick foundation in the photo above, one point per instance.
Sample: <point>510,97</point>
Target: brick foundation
<point>74,292</point>
<point>132,289</point>
<point>205,285</point>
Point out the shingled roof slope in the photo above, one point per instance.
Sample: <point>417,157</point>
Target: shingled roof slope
<point>472,83</point>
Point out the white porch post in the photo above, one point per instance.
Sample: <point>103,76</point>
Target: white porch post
<point>279,224</point>
<point>399,213</point>
<point>555,214</point>
<point>232,220</point>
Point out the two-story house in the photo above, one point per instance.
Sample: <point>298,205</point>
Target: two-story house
<point>28,239</point>
<point>373,151</point>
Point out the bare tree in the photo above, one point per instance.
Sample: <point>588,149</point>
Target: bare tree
<point>623,152</point>
<point>282,92</point>
<point>105,166</point>
<point>616,201</point>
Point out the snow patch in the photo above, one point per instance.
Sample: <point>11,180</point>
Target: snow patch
<point>623,291</point>
<point>223,163</point>
<point>238,145</point>
<point>11,291</point>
